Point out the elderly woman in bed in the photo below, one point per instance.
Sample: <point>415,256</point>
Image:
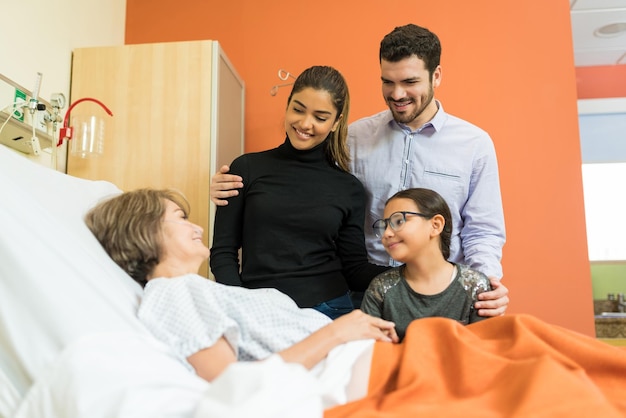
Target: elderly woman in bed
<point>148,234</point>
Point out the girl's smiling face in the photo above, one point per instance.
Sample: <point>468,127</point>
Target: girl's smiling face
<point>412,237</point>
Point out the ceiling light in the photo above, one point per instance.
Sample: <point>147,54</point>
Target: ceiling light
<point>611,30</point>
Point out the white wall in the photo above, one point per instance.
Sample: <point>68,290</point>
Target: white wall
<point>39,36</point>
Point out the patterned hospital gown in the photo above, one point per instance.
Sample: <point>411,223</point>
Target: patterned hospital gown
<point>190,313</point>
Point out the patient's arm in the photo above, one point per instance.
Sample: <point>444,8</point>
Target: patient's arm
<point>353,326</point>
<point>212,361</point>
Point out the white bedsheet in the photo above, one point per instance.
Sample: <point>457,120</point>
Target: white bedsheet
<point>126,375</point>
<point>9,396</point>
<point>113,375</point>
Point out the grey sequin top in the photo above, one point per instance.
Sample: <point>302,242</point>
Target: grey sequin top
<point>390,297</point>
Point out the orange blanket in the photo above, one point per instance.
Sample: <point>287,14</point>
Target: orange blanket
<point>509,366</point>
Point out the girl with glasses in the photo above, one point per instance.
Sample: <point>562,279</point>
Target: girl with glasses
<point>416,231</point>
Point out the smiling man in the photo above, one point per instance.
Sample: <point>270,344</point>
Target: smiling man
<point>415,143</point>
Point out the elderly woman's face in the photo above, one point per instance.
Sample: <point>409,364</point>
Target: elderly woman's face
<point>182,240</point>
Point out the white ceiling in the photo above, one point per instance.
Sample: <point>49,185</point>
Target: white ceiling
<point>589,15</point>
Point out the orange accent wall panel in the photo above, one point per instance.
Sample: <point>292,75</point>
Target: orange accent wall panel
<point>601,81</point>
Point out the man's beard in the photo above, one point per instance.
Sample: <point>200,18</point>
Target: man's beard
<point>406,118</point>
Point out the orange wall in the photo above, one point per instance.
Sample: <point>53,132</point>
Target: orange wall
<point>601,81</point>
<point>500,71</point>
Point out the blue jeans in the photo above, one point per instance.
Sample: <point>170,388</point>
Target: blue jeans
<point>357,298</point>
<point>334,308</point>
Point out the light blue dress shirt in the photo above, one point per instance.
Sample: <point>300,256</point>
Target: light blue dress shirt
<point>448,155</point>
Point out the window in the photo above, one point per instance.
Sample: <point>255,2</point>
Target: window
<point>602,125</point>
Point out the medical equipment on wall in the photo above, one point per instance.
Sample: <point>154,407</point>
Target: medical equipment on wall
<point>18,126</point>
<point>29,124</point>
<point>53,116</point>
<point>284,76</point>
<point>34,99</point>
<point>86,132</point>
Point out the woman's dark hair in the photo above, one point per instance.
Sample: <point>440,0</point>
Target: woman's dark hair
<point>330,80</point>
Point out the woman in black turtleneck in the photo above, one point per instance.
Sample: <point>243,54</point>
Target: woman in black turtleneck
<point>299,217</point>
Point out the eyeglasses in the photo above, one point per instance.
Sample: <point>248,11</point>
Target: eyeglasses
<point>396,221</point>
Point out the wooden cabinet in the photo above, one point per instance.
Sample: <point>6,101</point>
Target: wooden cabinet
<point>178,114</point>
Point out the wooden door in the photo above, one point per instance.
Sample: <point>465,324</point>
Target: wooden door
<point>160,132</point>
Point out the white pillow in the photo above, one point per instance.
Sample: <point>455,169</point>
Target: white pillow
<point>56,282</point>
<point>9,397</point>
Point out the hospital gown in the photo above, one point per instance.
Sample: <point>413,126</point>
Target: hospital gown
<point>191,313</point>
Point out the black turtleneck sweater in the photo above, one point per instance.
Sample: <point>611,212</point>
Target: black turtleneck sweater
<point>299,223</point>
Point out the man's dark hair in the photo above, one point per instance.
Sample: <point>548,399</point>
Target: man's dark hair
<point>408,40</point>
